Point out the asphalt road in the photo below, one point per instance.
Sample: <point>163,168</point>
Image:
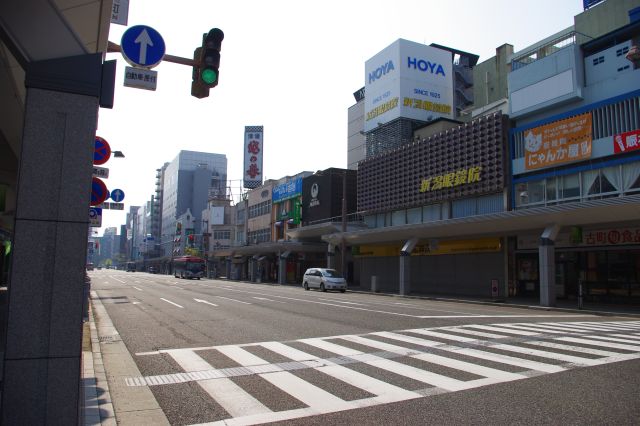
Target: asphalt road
<point>241,353</point>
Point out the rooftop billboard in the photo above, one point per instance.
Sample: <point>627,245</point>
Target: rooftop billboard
<point>410,80</point>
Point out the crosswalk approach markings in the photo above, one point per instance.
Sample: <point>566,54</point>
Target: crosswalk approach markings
<point>493,353</point>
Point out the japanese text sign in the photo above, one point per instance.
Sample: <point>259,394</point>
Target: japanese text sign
<point>560,142</point>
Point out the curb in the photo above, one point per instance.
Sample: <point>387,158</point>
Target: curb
<point>506,304</point>
<point>474,302</point>
<point>123,405</point>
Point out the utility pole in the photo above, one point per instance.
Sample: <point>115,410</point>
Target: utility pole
<point>343,245</point>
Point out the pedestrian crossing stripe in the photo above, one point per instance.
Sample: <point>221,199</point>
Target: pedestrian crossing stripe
<point>555,347</point>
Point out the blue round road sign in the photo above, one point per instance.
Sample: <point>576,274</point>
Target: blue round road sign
<point>142,46</point>
<point>117,195</point>
<point>99,192</point>
<point>101,152</point>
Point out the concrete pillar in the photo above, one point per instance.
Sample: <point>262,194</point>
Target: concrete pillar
<point>405,279</point>
<point>331,257</point>
<point>42,364</point>
<point>547,265</point>
<point>405,266</point>
<point>282,269</point>
<point>547,262</point>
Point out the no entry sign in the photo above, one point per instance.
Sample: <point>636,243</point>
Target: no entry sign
<point>102,151</point>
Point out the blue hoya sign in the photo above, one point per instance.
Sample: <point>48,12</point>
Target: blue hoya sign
<point>287,190</point>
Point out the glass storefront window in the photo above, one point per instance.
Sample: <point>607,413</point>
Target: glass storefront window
<point>370,221</point>
<point>398,217</point>
<point>591,182</point>
<point>536,191</point>
<point>631,177</point>
<point>414,215</point>
<point>570,186</point>
<point>431,213</point>
<point>552,193</point>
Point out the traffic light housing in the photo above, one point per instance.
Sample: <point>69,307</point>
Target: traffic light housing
<point>206,74</point>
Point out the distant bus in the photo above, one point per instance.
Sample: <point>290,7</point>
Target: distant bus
<point>188,267</point>
<point>131,266</point>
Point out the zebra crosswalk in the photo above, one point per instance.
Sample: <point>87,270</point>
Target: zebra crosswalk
<point>422,362</point>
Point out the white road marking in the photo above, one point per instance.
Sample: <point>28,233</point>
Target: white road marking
<point>342,301</point>
<point>592,342</point>
<point>500,329</point>
<point>245,409</point>
<point>139,289</point>
<point>230,396</point>
<point>268,300</point>
<point>169,301</point>
<point>235,300</point>
<point>205,301</point>
<point>475,353</point>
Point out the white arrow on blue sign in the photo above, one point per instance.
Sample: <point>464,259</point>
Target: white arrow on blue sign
<point>142,46</point>
<point>117,195</point>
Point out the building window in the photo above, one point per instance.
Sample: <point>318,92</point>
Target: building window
<point>260,209</point>
<point>631,177</point>
<point>622,51</point>
<point>222,235</point>
<point>570,186</point>
<point>431,213</point>
<point>398,217</point>
<point>414,215</point>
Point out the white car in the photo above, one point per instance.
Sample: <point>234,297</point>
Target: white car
<point>324,279</point>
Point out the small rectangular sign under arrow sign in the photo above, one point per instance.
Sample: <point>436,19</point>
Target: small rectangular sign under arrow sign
<point>100,172</point>
<point>112,206</point>
<point>140,78</point>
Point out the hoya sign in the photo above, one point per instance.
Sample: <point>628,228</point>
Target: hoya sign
<point>409,80</point>
<point>380,71</point>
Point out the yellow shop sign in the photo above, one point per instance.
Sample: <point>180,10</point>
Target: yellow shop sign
<point>481,245</point>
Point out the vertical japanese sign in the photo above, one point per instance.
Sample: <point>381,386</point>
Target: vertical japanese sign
<point>120,12</point>
<point>560,142</point>
<point>253,148</point>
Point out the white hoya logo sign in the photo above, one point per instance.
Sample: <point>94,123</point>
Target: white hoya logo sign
<point>380,71</point>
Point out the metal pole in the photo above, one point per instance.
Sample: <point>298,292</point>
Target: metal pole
<point>343,244</point>
<point>579,294</point>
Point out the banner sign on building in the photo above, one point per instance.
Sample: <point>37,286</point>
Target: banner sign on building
<point>559,142</point>
<point>217,216</point>
<point>481,245</point>
<point>120,12</point>
<point>629,141</point>
<point>616,236</point>
<point>253,149</point>
<point>409,80</point>
<point>287,190</point>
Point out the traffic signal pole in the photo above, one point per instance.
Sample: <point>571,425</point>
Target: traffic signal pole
<point>113,47</point>
<point>205,62</point>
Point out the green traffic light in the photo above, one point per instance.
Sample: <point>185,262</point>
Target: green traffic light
<point>209,76</point>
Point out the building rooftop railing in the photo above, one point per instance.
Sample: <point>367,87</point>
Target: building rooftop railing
<point>547,47</point>
<point>352,217</point>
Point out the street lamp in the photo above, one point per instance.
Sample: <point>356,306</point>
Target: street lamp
<point>118,154</point>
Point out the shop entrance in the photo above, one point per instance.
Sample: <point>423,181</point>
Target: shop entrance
<point>607,276</point>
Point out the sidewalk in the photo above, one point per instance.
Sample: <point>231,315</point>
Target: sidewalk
<point>137,405</point>
<point>106,362</point>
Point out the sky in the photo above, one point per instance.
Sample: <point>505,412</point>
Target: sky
<point>288,65</point>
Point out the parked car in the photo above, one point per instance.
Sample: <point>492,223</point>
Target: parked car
<point>323,279</point>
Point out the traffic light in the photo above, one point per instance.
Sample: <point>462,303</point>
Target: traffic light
<point>206,74</point>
